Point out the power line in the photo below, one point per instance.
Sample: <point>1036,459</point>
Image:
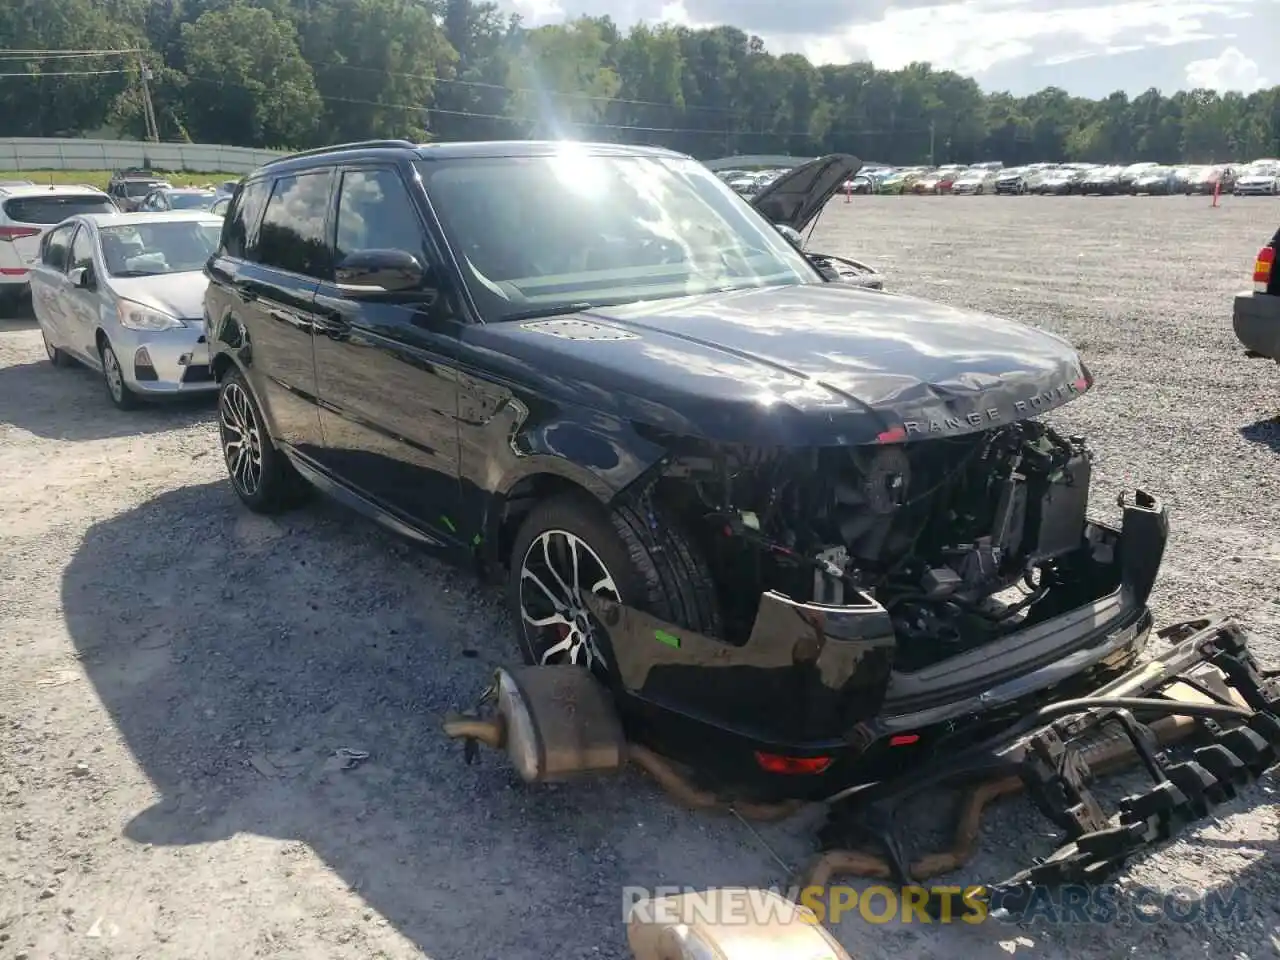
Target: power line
<point>69,53</point>
<point>62,54</point>
<point>65,73</point>
<point>535,91</point>
<point>422,108</point>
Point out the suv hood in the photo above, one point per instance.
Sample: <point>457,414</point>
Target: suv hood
<point>799,195</point>
<point>820,364</point>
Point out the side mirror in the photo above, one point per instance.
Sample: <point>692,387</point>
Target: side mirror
<point>371,272</point>
<point>81,277</point>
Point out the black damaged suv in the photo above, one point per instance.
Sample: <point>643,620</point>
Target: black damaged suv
<point>804,530</point>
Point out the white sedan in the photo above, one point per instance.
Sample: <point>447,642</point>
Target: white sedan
<point>123,294</point>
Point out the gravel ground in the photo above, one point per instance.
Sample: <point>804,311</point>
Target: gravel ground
<point>177,671</point>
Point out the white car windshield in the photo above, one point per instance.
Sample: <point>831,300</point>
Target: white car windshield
<point>543,234</point>
<point>152,249</point>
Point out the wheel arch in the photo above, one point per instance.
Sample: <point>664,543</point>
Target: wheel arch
<point>540,479</point>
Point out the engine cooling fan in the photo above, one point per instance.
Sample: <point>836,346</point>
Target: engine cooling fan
<point>867,502</point>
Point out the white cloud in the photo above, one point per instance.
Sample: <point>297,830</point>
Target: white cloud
<point>537,12</point>
<point>973,36</point>
<point>1229,70</point>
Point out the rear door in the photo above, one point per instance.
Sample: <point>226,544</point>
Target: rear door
<point>48,278</point>
<point>271,290</point>
<point>384,363</point>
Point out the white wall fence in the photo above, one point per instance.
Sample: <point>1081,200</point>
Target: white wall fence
<point>29,153</point>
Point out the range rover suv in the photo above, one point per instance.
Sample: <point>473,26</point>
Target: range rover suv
<point>826,527</point>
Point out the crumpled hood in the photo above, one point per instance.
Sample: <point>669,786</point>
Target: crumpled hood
<point>799,365</point>
<point>177,294</point>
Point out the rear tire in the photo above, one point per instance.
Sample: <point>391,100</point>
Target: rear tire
<point>649,566</point>
<point>57,356</point>
<point>260,473</point>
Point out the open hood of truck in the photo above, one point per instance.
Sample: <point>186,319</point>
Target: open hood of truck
<point>796,197</point>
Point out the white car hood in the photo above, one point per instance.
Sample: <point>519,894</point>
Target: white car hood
<point>177,294</point>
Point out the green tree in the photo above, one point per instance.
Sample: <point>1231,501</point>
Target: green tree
<point>247,81</point>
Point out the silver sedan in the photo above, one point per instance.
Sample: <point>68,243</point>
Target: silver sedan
<point>123,294</point>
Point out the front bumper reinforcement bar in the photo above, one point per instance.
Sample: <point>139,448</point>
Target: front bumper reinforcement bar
<point>1205,694</point>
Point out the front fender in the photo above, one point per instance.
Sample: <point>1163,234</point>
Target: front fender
<point>594,452</point>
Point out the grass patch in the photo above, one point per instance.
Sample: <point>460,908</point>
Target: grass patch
<point>100,178</point>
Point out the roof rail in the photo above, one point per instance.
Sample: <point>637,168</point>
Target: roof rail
<point>358,145</point>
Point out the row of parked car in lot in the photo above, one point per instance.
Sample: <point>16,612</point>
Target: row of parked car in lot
<point>1259,178</point>
<point>115,276</point>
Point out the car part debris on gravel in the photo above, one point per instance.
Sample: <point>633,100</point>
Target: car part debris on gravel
<point>1201,718</point>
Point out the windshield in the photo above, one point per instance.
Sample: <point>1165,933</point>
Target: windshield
<point>139,188</point>
<point>191,201</point>
<point>151,249</point>
<point>46,210</point>
<point>541,234</point>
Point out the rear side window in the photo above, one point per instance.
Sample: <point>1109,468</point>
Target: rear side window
<point>241,230</point>
<point>292,235</point>
<point>54,209</point>
<point>53,252</point>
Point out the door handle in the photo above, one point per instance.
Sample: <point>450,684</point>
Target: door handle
<point>292,319</point>
<point>335,328</point>
<point>245,292</point>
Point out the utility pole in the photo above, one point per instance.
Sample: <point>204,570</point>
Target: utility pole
<point>148,111</point>
<point>933,128</point>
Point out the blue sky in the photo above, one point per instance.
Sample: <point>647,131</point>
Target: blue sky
<point>1088,47</point>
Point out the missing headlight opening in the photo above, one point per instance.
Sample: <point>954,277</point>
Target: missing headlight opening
<point>961,539</point>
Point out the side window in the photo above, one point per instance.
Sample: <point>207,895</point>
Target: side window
<point>292,235</point>
<point>241,229</point>
<point>54,252</point>
<point>82,249</point>
<point>376,212</point>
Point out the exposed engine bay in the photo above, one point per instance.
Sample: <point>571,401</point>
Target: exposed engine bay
<point>958,538</point>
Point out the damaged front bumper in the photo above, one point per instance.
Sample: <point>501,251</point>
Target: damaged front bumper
<point>811,702</point>
<point>1205,693</point>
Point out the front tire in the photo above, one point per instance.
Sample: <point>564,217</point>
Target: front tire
<point>570,546</point>
<point>113,374</point>
<point>261,475</point>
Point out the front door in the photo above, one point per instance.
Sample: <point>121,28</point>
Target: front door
<point>80,303</point>
<point>384,363</point>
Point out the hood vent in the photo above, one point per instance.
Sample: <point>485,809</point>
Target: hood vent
<point>579,330</point>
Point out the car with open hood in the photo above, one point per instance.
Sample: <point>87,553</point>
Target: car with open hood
<point>804,529</point>
<point>795,200</point>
